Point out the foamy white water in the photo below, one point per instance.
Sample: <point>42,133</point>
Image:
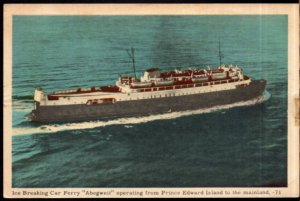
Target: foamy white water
<point>53,128</point>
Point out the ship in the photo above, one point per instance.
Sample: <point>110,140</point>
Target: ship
<point>155,92</point>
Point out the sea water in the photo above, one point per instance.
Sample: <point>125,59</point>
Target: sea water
<point>237,145</point>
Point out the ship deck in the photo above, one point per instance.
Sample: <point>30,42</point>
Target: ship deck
<point>116,89</point>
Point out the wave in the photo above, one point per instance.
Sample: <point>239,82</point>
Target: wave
<point>22,106</point>
<point>272,146</point>
<point>53,128</point>
<point>25,97</point>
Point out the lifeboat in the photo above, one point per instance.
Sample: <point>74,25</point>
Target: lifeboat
<point>141,84</point>
<point>200,79</point>
<point>235,77</point>
<point>219,75</point>
<point>163,82</point>
<point>231,74</point>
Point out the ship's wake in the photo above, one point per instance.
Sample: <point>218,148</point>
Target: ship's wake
<point>53,128</point>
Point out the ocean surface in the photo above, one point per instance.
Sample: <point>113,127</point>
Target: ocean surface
<point>230,146</point>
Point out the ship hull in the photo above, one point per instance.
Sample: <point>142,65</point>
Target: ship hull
<point>83,112</point>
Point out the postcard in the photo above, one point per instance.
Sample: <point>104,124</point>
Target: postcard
<point>151,100</point>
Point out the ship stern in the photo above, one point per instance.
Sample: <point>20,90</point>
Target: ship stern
<point>39,96</point>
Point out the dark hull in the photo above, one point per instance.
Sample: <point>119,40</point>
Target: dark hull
<point>73,113</point>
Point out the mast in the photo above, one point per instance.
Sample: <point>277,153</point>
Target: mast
<point>131,55</point>
<point>220,53</point>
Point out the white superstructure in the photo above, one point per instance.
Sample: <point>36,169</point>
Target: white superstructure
<point>152,85</point>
